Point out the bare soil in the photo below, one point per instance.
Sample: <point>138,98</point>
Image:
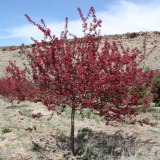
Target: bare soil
<point>23,138</point>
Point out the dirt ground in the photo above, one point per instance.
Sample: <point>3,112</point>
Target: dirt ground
<point>25,138</point>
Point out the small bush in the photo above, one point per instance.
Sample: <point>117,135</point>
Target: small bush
<point>156,88</point>
<point>6,130</point>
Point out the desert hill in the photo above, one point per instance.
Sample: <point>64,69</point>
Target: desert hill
<point>131,40</point>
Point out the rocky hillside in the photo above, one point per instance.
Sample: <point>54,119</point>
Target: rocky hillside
<point>131,40</point>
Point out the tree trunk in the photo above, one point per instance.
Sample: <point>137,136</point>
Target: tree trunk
<point>72,131</point>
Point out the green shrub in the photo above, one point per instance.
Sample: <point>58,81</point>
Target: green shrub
<point>6,130</point>
<point>156,88</point>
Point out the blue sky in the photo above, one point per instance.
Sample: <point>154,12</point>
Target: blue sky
<point>118,16</point>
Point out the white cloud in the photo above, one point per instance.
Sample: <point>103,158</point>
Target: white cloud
<point>123,16</point>
<point>130,17</point>
<point>27,31</point>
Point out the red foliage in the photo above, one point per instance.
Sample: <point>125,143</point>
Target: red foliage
<point>6,88</point>
<point>88,72</point>
<point>38,115</point>
<point>15,86</point>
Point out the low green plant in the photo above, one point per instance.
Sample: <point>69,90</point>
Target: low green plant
<point>27,112</point>
<point>156,89</point>
<point>147,69</point>
<point>81,144</point>
<point>156,113</point>
<point>82,139</point>
<point>6,130</point>
<point>86,129</point>
<point>19,106</point>
<point>155,132</point>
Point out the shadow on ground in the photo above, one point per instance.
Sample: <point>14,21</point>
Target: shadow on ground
<point>91,145</point>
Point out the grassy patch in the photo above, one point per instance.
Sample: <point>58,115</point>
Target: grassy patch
<point>155,132</point>
<point>6,130</point>
<point>156,113</point>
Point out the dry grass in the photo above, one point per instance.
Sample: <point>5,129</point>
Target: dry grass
<point>25,138</point>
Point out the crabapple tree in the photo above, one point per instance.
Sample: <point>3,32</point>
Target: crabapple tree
<point>84,72</point>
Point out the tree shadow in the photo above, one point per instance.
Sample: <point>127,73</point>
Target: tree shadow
<point>96,145</point>
<point>102,145</point>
